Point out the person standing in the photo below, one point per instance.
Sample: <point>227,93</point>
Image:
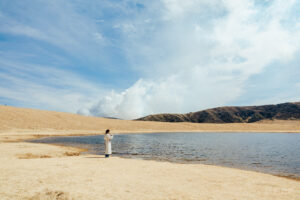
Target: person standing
<point>108,137</point>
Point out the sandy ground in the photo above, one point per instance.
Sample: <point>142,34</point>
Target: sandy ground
<point>22,123</point>
<point>42,171</point>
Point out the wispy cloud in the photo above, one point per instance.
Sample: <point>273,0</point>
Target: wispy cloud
<point>194,59</point>
<point>47,52</point>
<point>129,58</point>
<point>45,87</point>
<point>56,23</point>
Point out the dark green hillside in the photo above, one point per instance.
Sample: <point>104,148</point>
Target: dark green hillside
<point>246,114</point>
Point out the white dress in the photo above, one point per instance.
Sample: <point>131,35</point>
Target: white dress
<point>108,138</point>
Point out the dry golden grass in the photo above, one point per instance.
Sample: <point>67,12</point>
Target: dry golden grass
<point>51,195</point>
<point>72,153</point>
<point>32,156</point>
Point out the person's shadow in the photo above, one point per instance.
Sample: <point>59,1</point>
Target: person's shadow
<point>100,156</point>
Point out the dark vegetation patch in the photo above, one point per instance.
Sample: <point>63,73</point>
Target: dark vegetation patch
<point>246,114</point>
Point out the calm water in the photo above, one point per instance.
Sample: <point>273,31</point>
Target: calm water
<point>273,153</point>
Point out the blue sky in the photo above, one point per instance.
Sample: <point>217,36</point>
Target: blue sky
<point>128,59</point>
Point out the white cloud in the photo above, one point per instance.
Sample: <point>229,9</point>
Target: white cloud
<point>176,9</point>
<point>188,55</point>
<point>46,87</point>
<point>191,62</point>
<point>181,92</point>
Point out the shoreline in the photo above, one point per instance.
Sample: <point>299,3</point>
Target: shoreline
<point>82,150</point>
<point>42,171</point>
<point>195,163</point>
<point>85,177</point>
<point>8,137</point>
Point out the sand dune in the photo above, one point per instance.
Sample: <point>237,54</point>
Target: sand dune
<point>41,171</point>
<point>30,122</point>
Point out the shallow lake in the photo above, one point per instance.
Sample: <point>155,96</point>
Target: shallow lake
<point>273,153</point>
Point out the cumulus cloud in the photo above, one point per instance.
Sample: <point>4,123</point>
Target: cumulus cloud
<point>197,54</point>
<point>128,59</point>
<point>181,92</point>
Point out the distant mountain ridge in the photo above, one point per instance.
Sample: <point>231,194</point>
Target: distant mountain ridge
<point>234,114</point>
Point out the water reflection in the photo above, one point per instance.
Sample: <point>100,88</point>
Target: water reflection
<point>273,153</point>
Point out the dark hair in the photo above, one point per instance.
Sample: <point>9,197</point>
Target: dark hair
<point>107,131</point>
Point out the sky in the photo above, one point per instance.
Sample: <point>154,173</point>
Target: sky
<point>131,58</point>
